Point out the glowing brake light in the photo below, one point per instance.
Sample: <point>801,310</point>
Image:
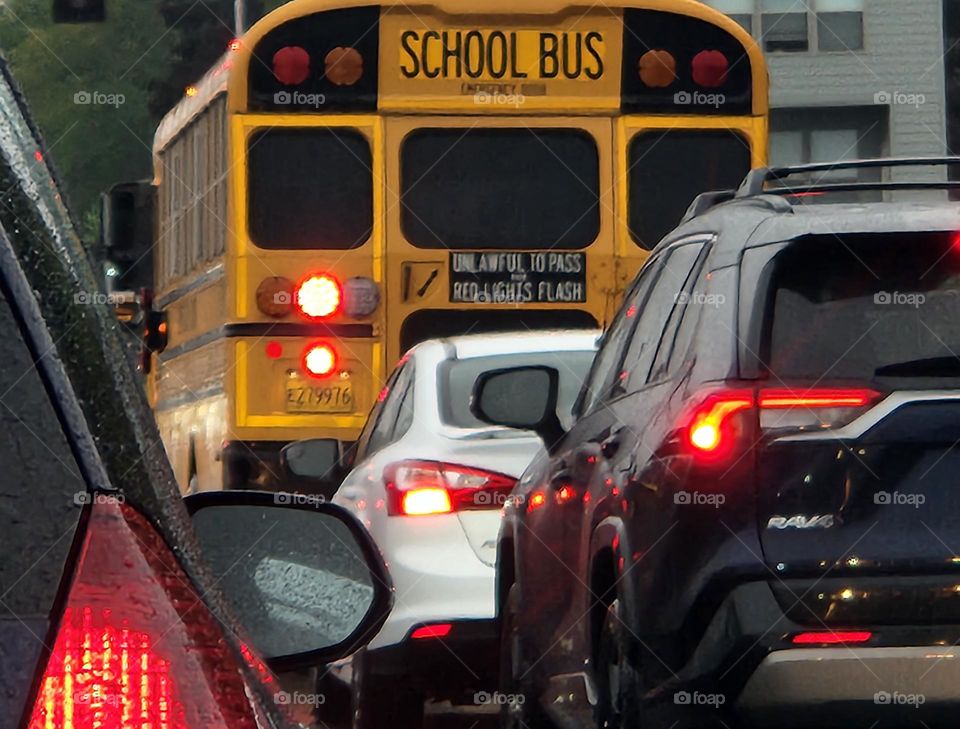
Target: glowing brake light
<point>713,429</point>
<point>319,360</point>
<point>832,637</point>
<point>421,488</point>
<point>710,427</point>
<point>319,296</point>
<point>136,645</point>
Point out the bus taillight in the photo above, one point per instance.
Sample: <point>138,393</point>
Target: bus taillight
<point>319,360</point>
<point>319,296</point>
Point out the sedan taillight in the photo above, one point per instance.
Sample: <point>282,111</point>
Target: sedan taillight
<point>421,488</point>
<point>136,645</point>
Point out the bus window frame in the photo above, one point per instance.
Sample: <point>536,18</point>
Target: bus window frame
<point>753,128</point>
<point>600,128</point>
<point>244,126</point>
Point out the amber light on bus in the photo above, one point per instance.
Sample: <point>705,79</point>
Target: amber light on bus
<point>319,296</point>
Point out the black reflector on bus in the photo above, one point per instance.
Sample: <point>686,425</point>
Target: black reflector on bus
<point>318,63</point>
<point>676,64</point>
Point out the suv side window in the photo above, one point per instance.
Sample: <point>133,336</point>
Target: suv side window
<point>655,314</point>
<point>607,362</point>
<point>683,321</point>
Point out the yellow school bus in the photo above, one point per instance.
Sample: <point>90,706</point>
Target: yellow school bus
<point>353,178</point>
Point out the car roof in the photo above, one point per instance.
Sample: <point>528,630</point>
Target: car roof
<point>481,345</point>
<point>754,216</point>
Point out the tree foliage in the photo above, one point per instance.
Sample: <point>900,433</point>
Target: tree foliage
<point>87,88</point>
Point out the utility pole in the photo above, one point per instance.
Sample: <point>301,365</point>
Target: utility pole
<point>239,16</point>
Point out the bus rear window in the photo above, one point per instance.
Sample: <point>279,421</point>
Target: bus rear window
<point>310,188</point>
<point>864,308</point>
<point>500,188</point>
<point>668,169</point>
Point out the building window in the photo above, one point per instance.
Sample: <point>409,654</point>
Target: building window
<point>739,10</point>
<point>840,25</point>
<point>783,25</point>
<point>799,25</point>
<point>801,136</point>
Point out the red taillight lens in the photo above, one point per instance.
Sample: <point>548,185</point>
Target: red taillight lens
<point>436,630</point>
<point>812,409</point>
<point>832,637</point>
<point>718,424</point>
<point>136,645</point>
<point>319,296</point>
<point>319,360</point>
<point>420,488</point>
<point>712,429</point>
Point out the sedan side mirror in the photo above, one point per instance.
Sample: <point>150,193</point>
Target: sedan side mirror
<point>315,465</point>
<point>303,576</point>
<point>520,397</point>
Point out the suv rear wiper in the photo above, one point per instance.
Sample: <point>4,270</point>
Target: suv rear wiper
<point>930,367</point>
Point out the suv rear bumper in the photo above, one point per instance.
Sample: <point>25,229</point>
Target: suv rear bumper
<point>746,656</point>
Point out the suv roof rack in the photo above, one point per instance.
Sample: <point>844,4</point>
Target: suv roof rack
<point>755,183</point>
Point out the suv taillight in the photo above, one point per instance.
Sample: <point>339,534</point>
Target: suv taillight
<point>136,645</point>
<point>723,421</point>
<point>421,488</point>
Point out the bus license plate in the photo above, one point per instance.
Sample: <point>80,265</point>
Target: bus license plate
<point>518,278</point>
<point>333,397</point>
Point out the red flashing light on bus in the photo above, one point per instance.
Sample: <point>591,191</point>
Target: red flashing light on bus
<point>319,296</point>
<point>710,69</point>
<point>291,65</point>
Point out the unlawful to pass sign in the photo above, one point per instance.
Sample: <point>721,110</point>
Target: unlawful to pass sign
<point>518,278</point>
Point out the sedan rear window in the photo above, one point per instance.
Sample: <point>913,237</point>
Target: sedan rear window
<point>457,378</point>
<point>866,307</point>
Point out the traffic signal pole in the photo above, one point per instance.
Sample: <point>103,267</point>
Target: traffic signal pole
<point>240,16</point>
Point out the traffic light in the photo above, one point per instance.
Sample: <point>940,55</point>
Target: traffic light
<point>79,11</point>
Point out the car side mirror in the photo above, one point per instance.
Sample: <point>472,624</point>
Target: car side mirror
<point>315,465</point>
<point>303,576</point>
<point>520,397</point>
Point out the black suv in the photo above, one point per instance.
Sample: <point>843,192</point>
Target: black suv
<point>756,516</point>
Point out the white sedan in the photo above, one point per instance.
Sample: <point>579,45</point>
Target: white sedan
<point>429,480</point>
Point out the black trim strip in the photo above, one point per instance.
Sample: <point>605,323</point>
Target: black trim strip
<point>191,344</point>
<point>298,329</point>
<point>189,396</point>
<point>214,274</point>
<point>269,329</point>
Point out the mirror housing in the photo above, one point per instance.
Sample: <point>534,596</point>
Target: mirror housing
<point>524,398</point>
<point>302,575</point>
<point>315,465</point>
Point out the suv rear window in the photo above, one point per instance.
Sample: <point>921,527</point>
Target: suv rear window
<point>864,308</point>
<point>500,188</point>
<point>457,378</point>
